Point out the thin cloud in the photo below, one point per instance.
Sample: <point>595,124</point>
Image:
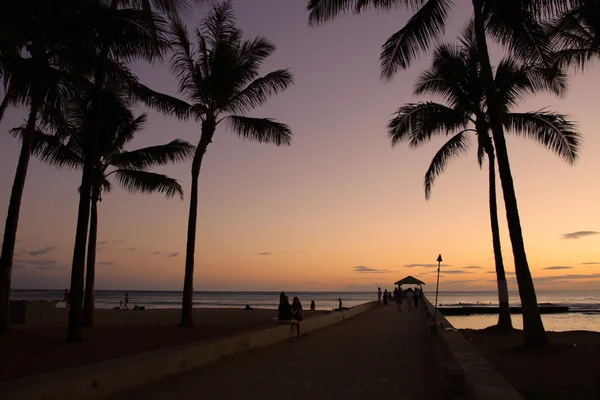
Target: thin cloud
<point>558,267</point>
<point>425,265</point>
<point>48,268</point>
<point>591,263</point>
<point>156,253</point>
<point>566,277</point>
<point>472,267</point>
<point>118,241</point>
<point>105,263</point>
<point>362,269</point>
<point>103,242</point>
<point>173,255</point>
<point>38,252</point>
<point>264,253</point>
<point>131,249</point>
<point>456,271</point>
<point>505,272</point>
<point>579,234</point>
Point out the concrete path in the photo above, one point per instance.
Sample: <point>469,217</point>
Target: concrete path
<point>380,354</point>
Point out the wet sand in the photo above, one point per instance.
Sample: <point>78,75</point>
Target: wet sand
<point>569,368</point>
<point>33,350</point>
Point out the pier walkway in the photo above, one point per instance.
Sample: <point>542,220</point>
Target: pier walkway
<point>382,353</point>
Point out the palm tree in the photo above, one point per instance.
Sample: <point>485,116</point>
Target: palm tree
<point>455,76</point>
<point>220,78</point>
<point>136,31</point>
<point>32,58</point>
<point>514,23</point>
<point>129,168</point>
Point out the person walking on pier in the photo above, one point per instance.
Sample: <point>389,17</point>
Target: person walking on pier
<point>409,298</point>
<point>416,297</point>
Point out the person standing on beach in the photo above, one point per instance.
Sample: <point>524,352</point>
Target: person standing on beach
<point>385,297</point>
<point>125,305</point>
<point>378,296</point>
<point>67,298</point>
<point>312,305</point>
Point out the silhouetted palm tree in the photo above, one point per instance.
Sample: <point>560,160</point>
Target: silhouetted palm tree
<point>118,127</point>
<point>136,31</point>
<point>33,54</point>
<point>514,23</point>
<point>454,75</point>
<point>219,76</point>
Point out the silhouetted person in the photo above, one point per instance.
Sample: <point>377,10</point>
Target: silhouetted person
<point>312,305</point>
<point>379,295</point>
<point>284,309</point>
<point>340,303</point>
<point>281,296</point>
<point>126,301</point>
<point>67,298</point>
<point>385,297</point>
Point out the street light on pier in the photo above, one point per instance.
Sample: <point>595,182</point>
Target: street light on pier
<point>439,261</point>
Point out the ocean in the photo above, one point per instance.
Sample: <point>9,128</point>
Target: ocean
<point>584,304</point>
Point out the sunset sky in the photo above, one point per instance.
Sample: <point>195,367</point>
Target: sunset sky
<point>339,209</point>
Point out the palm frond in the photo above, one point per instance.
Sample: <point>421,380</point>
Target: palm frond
<point>50,149</point>
<point>127,130</point>
<point>259,91</point>
<point>326,10</point>
<point>416,37</point>
<point>182,57</point>
<point>455,146</point>
<point>513,24</point>
<point>219,24</point>
<point>141,159</point>
<point>136,181</point>
<point>550,129</point>
<point>163,103</point>
<point>418,122</point>
<point>263,130</point>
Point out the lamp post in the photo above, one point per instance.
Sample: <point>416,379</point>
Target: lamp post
<point>439,260</point>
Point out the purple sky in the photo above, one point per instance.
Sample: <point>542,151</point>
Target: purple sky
<point>339,209</point>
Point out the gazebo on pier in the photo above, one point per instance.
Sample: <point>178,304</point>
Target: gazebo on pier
<point>409,280</point>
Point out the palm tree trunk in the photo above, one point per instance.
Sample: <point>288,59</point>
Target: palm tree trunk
<point>187,318</point>
<point>504,320</point>
<point>90,274</point>
<point>83,212</point>
<point>533,327</point>
<point>12,217</point>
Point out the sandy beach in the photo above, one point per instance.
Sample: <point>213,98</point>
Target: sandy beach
<point>566,369</point>
<point>34,350</point>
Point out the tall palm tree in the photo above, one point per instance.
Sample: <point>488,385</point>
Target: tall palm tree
<point>137,31</point>
<point>118,127</point>
<point>454,75</point>
<point>32,57</point>
<point>220,79</point>
<point>514,23</point>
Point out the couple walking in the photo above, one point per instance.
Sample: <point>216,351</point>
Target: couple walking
<point>291,313</point>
